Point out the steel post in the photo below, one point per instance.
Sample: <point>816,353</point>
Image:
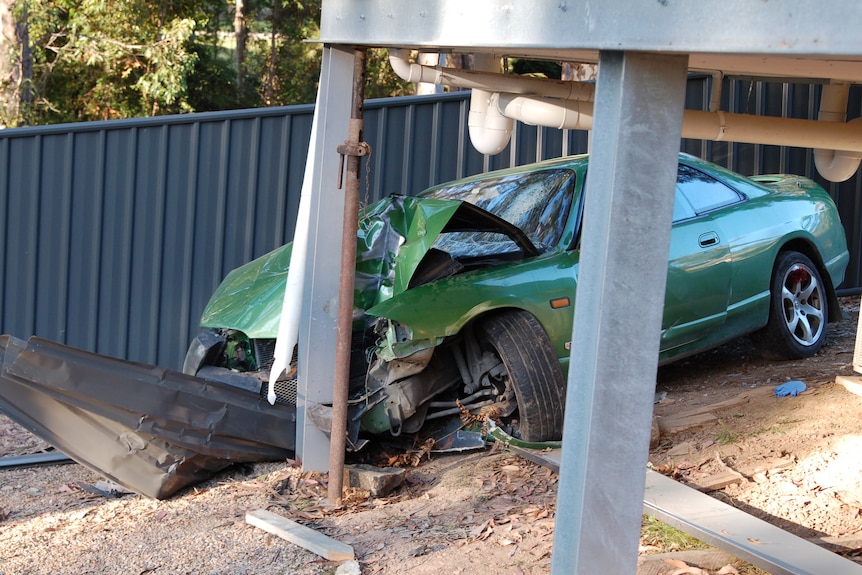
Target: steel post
<point>353,149</point>
<point>615,343</point>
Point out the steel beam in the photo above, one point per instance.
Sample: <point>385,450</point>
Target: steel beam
<point>318,319</point>
<point>789,29</point>
<point>618,311</point>
<point>740,534</point>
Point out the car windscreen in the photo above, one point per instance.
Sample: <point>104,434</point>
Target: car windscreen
<point>536,202</point>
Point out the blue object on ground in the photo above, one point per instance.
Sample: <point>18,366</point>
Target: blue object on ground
<point>791,388</point>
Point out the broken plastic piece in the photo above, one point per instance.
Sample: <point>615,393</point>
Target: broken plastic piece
<point>791,388</point>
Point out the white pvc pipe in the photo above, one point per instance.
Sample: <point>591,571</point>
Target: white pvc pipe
<point>561,114</point>
<point>717,126</point>
<point>491,81</point>
<point>835,165</point>
<point>489,129</point>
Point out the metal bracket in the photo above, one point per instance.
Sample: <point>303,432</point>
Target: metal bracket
<point>352,149</point>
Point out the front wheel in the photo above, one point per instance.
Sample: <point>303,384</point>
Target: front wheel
<point>532,371</point>
<point>798,312</point>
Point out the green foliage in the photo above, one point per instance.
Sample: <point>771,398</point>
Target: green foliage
<point>95,60</point>
<point>380,80</point>
<point>98,60</point>
<point>538,68</point>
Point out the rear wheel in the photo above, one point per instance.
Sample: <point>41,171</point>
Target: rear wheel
<point>798,312</point>
<point>532,371</point>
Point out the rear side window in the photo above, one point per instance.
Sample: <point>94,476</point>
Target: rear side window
<point>703,192</point>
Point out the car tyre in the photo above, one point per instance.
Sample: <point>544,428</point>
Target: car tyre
<point>798,310</point>
<point>533,370</point>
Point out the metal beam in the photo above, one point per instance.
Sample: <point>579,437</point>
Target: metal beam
<point>788,28</point>
<point>740,534</point>
<point>618,311</point>
<point>34,460</point>
<point>318,319</point>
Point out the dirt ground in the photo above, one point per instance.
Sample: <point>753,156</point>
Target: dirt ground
<point>793,461</point>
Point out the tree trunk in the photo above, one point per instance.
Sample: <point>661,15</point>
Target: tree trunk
<point>25,86</point>
<point>9,71</point>
<point>241,34</point>
<point>16,65</point>
<point>273,54</point>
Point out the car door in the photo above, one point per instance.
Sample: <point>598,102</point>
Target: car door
<point>699,268</point>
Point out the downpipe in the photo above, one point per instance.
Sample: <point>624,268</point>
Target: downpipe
<point>489,129</point>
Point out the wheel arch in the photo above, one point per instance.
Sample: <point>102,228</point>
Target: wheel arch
<point>533,370</point>
<point>505,307</point>
<point>805,247</point>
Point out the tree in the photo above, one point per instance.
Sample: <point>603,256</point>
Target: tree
<point>16,63</point>
<point>96,60</point>
<point>241,36</point>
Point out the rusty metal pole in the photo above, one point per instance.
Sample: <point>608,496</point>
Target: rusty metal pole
<point>354,148</point>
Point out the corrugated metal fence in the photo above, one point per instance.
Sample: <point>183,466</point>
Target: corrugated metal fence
<point>116,233</point>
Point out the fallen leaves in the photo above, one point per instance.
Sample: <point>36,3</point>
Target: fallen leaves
<point>683,568</point>
<point>414,457</point>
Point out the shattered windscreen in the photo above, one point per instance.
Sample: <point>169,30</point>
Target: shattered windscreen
<point>536,202</point>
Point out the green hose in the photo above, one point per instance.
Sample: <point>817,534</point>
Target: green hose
<point>497,434</point>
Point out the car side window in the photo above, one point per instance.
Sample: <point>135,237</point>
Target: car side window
<point>682,210</point>
<point>703,192</point>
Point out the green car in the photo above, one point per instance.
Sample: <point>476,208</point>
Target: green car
<point>465,293</point>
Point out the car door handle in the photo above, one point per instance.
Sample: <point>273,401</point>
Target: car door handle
<point>707,239</point>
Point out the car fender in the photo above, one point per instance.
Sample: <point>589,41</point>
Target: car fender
<point>546,289</point>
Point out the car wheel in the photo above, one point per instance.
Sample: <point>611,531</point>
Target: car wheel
<point>532,371</point>
<point>798,312</point>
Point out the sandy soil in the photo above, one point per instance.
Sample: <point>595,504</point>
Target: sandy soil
<point>491,512</point>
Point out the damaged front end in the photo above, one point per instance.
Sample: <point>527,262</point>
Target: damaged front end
<point>395,374</point>
<point>422,304</point>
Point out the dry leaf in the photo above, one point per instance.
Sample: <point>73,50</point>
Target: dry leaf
<point>684,568</point>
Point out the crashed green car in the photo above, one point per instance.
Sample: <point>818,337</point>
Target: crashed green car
<point>465,294</point>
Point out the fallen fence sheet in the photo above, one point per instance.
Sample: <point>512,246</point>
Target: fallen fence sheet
<point>147,428</point>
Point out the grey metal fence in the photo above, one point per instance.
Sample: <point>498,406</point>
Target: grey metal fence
<point>114,234</point>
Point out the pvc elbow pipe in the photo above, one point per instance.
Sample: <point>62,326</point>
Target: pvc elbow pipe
<point>835,165</point>
<point>489,129</point>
